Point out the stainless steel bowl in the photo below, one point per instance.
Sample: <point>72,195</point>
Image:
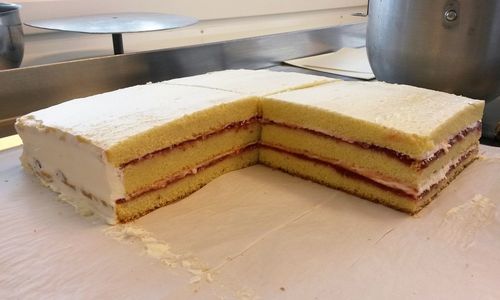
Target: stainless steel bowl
<point>448,45</point>
<point>11,36</point>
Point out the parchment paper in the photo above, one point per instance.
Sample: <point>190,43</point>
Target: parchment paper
<point>255,233</point>
<point>351,62</point>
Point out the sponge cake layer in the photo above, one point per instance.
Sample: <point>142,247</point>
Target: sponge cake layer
<point>387,115</point>
<point>339,178</point>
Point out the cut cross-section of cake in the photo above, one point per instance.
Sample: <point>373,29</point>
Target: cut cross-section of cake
<point>394,144</point>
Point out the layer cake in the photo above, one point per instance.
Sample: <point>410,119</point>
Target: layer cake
<point>130,151</point>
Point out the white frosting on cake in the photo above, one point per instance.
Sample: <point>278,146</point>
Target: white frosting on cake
<point>80,165</point>
<point>400,107</point>
<point>109,118</point>
<point>252,82</point>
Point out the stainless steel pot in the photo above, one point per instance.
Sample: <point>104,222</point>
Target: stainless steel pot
<point>448,45</point>
<point>11,36</point>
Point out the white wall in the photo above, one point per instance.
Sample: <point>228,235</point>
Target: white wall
<point>219,20</point>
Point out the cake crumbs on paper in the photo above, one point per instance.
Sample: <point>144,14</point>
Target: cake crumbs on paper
<point>82,209</point>
<point>186,263</point>
<point>152,247</point>
<point>462,223</point>
<point>481,208</point>
<point>246,294</point>
<point>195,271</point>
<point>160,251</point>
<point>195,279</point>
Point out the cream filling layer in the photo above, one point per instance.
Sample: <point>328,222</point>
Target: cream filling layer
<point>445,146</point>
<point>435,178</point>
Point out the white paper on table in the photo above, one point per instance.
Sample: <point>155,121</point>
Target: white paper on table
<point>260,234</point>
<point>352,62</point>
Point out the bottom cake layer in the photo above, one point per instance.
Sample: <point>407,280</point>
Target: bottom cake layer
<point>327,175</point>
<point>137,207</point>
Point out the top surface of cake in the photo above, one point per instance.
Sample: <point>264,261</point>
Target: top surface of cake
<point>406,108</point>
<point>109,118</point>
<point>252,82</point>
<point>411,116</point>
